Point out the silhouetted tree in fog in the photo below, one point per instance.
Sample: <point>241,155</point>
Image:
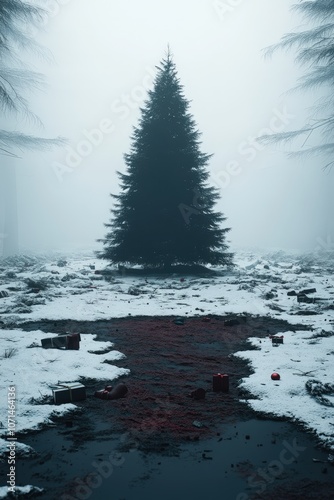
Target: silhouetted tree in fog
<point>165,214</point>
<point>16,17</point>
<point>315,50</point>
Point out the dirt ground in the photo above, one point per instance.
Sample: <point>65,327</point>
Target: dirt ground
<point>167,362</point>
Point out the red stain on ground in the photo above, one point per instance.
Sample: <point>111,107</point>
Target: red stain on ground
<point>168,361</point>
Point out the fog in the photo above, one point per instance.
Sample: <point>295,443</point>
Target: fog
<point>103,62</point>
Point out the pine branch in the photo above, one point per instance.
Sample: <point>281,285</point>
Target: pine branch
<point>24,141</point>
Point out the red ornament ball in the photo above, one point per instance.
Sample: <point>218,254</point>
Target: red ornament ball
<point>275,376</point>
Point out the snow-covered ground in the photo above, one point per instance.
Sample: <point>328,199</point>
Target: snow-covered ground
<point>54,288</point>
<point>305,391</point>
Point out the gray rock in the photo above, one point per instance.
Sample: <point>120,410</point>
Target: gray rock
<point>36,284</point>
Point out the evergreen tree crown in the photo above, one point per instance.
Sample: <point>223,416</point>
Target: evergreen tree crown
<point>164,214</point>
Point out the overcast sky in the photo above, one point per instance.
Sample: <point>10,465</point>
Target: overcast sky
<point>104,57</point>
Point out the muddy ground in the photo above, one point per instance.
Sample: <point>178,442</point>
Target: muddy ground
<point>158,420</point>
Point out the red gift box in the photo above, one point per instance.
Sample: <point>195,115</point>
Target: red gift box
<point>220,383</point>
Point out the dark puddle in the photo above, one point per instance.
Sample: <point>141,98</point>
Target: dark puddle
<point>244,460</point>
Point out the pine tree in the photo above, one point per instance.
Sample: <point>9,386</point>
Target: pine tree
<point>16,17</point>
<point>315,50</point>
<point>164,214</point>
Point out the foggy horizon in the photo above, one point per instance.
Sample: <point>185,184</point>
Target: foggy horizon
<point>104,60</point>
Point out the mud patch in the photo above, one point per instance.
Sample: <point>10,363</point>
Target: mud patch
<point>167,362</point>
<point>158,433</point>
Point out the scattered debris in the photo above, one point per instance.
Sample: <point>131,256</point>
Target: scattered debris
<point>69,393</point>
<point>198,424</point>
<point>198,394</point>
<point>179,321</point>
<point>119,391</point>
<point>277,339</point>
<point>304,374</point>
<point>102,394</point>
<point>70,341</point>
